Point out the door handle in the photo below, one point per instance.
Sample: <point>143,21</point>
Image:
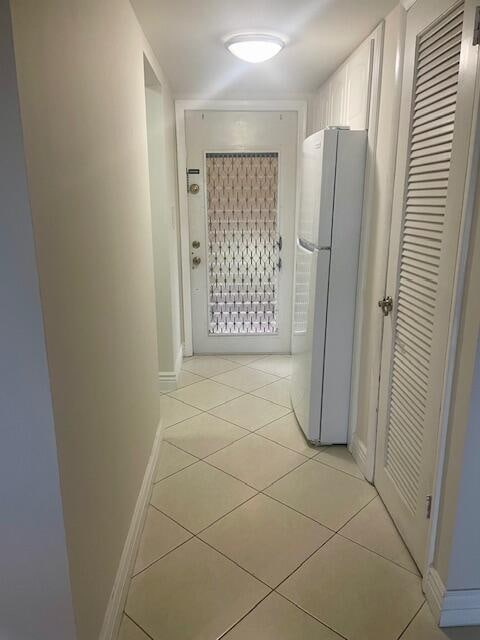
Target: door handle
<point>386,305</point>
<point>196,261</point>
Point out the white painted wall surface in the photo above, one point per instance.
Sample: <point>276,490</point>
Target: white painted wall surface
<point>82,97</point>
<point>35,597</point>
<point>372,288</point>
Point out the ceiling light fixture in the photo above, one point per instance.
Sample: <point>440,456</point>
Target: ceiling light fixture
<point>254,47</point>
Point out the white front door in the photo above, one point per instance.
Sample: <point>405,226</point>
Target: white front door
<point>242,229</point>
<point>432,165</point>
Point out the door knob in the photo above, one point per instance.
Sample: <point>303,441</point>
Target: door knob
<point>196,261</point>
<point>195,244</point>
<point>386,305</point>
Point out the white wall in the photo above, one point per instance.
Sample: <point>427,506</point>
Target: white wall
<point>82,98</point>
<point>35,598</point>
<point>372,286</point>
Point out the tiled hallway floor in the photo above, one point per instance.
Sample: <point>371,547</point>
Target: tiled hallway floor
<point>254,535</point>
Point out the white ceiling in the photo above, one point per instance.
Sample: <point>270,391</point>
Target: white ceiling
<point>186,36</point>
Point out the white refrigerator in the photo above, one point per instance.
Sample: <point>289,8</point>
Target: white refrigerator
<point>328,241</point>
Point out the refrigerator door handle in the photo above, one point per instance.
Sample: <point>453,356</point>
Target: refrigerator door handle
<point>306,246</point>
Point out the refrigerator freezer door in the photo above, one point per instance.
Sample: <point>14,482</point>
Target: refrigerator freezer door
<point>318,187</point>
<point>308,340</point>
<point>343,285</point>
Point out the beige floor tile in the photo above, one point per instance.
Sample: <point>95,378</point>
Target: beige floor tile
<point>423,627</point>
<point>160,535</point>
<point>204,434</point>
<point>275,618</point>
<point>193,593</point>
<point>266,538</point>
<point>199,495</point>
<point>286,431</point>
<point>355,592</point>
<point>278,392</point>
<point>207,366</point>
<point>340,458</point>
<point>173,411</point>
<point>244,359</point>
<point>328,496</point>
<point>279,365</point>
<point>245,378</point>
<point>256,460</point>
<point>373,528</point>
<point>185,378</point>
<point>250,412</point>
<point>130,631</point>
<point>172,460</point>
<point>206,394</point>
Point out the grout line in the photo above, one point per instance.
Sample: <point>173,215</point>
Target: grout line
<point>310,615</point>
<point>190,464</point>
<point>377,553</point>
<point>258,433</point>
<point>227,514</point>
<point>240,395</point>
<point>137,625</point>
<point>297,511</point>
<point>176,522</point>
<point>200,411</point>
<point>415,615</point>
<point>303,562</point>
<point>236,564</point>
<point>248,433</point>
<point>250,485</point>
<point>356,513</point>
<point>326,464</point>
<point>191,536</point>
<point>244,616</point>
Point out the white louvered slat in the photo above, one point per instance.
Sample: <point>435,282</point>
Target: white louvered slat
<point>429,157</point>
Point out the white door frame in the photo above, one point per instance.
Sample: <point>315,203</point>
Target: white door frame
<point>298,106</point>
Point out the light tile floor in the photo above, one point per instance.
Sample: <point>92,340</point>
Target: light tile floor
<point>253,534</point>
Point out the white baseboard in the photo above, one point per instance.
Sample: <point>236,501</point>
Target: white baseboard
<point>434,592</point>
<point>116,604</point>
<point>454,608</point>
<point>359,453</point>
<point>168,379</point>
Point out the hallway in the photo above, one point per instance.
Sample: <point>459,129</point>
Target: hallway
<point>252,533</point>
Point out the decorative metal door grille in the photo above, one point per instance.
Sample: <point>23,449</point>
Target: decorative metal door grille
<point>243,251</point>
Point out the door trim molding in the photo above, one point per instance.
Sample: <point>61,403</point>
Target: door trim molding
<point>181,106</point>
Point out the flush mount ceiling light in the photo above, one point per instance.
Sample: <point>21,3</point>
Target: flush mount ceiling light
<point>254,47</point>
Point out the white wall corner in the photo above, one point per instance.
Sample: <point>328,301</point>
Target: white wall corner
<point>116,603</point>
<point>167,380</point>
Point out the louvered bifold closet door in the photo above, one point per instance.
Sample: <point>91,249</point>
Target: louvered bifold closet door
<point>430,146</point>
<point>435,142</point>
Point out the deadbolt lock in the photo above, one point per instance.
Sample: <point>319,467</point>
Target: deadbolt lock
<point>386,305</point>
<point>194,188</point>
<point>196,261</point>
<point>195,244</point>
